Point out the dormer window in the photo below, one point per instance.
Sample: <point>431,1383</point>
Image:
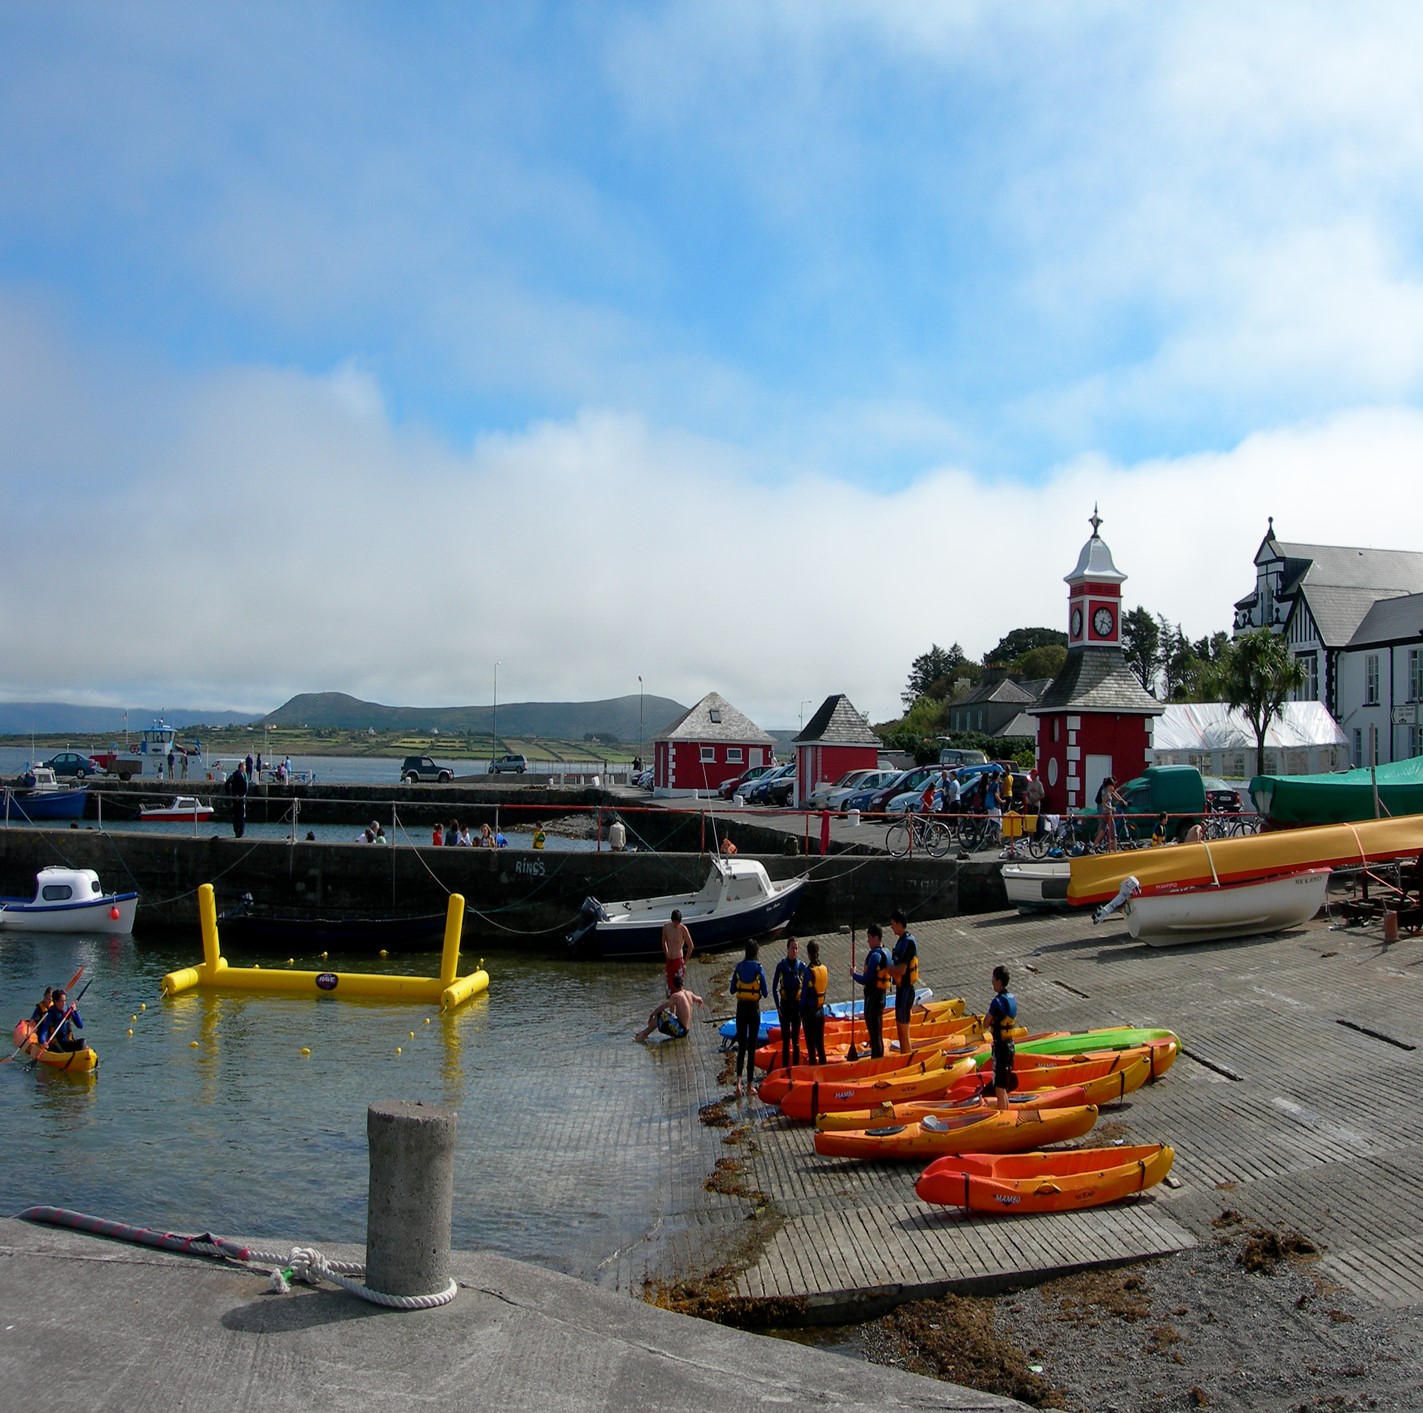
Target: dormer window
<point>715,715</point>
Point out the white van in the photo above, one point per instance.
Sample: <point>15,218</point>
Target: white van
<point>950,755</point>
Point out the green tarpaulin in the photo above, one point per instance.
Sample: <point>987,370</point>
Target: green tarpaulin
<point>1342,797</point>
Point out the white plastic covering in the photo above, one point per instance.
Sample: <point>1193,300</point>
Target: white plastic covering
<point>1302,740</point>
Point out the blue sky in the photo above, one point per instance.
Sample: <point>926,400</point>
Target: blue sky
<point>749,347</point>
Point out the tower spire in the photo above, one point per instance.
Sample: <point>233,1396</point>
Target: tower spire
<point>1095,522</point>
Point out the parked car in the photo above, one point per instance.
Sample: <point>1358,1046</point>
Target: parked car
<point>416,768</point>
<point>840,799</point>
<point>72,764</point>
<point>513,765</point>
<point>643,779</point>
<point>912,782</point>
<point>755,793</point>
<point>863,799</point>
<point>819,798</point>
<point>781,790</point>
<point>728,788</point>
<point>1222,798</point>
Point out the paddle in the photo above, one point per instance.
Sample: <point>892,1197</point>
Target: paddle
<point>73,981</point>
<point>73,1006</point>
<point>852,1053</point>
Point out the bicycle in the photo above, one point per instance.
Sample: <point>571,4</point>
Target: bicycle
<point>979,832</point>
<point>920,832</point>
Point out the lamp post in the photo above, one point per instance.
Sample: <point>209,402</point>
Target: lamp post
<point>494,734</point>
<point>803,706</point>
<point>639,716</point>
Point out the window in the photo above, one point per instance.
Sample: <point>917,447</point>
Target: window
<point>715,714</point>
<point>733,755</point>
<point>1415,675</point>
<point>708,754</point>
<point>1371,679</point>
<point>1415,740</point>
<point>1309,691</point>
<point>1358,746</point>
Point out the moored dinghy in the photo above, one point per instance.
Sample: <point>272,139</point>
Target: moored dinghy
<point>69,900</point>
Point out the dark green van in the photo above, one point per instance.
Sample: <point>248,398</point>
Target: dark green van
<point>1174,790</point>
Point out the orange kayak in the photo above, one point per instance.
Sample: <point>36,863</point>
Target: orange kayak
<point>1015,1131</point>
<point>1064,1181</point>
<point>978,1105</point>
<point>959,1034</point>
<point>773,1086</point>
<point>839,1027</point>
<point>928,1078</point>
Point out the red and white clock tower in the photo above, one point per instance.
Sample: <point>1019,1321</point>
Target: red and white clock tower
<point>1095,718</point>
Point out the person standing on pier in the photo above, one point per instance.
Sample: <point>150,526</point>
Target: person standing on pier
<point>237,789</point>
<point>748,985</point>
<point>904,968</point>
<point>815,983</point>
<point>1001,1016</point>
<point>875,980</point>
<point>786,985</point>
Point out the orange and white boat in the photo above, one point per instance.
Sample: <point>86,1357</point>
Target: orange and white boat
<point>931,1076</point>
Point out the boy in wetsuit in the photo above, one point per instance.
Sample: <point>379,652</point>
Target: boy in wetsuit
<point>748,985</point>
<point>904,968</point>
<point>815,981</point>
<point>56,1028</point>
<point>673,1018</point>
<point>786,984</point>
<point>1001,1015</point>
<point>875,980</point>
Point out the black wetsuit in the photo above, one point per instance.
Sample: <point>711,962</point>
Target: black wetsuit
<point>237,788</point>
<point>872,979</point>
<point>812,1015</point>
<point>786,987</point>
<point>1002,1012</point>
<point>748,985</point>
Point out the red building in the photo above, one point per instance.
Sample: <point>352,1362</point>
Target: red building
<point>836,739</point>
<point>1095,718</point>
<point>707,744</point>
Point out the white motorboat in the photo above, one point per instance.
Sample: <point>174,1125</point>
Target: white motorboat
<point>69,900</point>
<point>1169,914</point>
<point>185,808</point>
<point>737,902</point>
<point>1032,887</point>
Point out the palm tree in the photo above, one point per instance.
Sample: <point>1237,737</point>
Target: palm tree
<point>1255,674</point>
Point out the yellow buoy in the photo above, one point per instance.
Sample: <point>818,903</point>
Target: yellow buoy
<point>143,1005</point>
<point>323,956</point>
<point>192,1045</point>
<point>412,1035</point>
<point>133,1020</point>
<point>398,1050</point>
<point>384,953</point>
<point>427,1020</point>
<point>291,961</point>
<point>130,1035</point>
<point>306,1049</point>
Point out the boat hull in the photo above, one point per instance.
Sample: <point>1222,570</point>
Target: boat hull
<point>1037,887</point>
<point>47,805</point>
<point>1170,918</point>
<point>111,914</point>
<point>1043,1182</point>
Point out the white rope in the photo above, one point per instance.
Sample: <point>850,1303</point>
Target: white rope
<point>309,1266</point>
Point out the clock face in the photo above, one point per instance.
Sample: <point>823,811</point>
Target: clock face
<point>1076,622</point>
<point>1102,622</point>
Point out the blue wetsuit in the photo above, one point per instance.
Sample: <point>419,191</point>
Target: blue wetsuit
<point>906,955</point>
<point>786,986</point>
<point>875,980</point>
<point>748,985</point>
<point>1002,1012</point>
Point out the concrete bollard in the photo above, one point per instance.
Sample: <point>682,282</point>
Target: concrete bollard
<point>412,1161</point>
<point>1390,926</point>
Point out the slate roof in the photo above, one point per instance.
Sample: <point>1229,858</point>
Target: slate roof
<point>838,723</point>
<point>1021,725</point>
<point>1096,679</point>
<point>714,719</point>
<point>1395,620</point>
<point>1004,690</point>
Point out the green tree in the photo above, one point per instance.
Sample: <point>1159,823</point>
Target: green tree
<point>1255,674</point>
<point>932,674</point>
<point>1023,640</point>
<point>1141,643</point>
<point>1045,661</point>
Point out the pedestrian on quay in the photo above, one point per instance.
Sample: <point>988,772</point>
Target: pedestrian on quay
<point>786,984</point>
<point>875,981</point>
<point>815,983</point>
<point>237,790</point>
<point>748,985</point>
<point>904,968</point>
<point>1002,1015</point>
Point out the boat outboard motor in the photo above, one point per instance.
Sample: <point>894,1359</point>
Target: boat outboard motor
<point>589,915</point>
<point>1129,889</point>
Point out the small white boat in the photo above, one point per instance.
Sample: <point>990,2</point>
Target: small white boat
<point>69,900</point>
<point>737,902</point>
<point>1035,886</point>
<point>1172,913</point>
<point>187,808</point>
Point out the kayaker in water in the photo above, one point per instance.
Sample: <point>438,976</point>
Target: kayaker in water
<point>46,1001</point>
<point>748,985</point>
<point>875,980</point>
<point>673,1018</point>
<point>677,948</point>
<point>1001,1015</point>
<point>56,1027</point>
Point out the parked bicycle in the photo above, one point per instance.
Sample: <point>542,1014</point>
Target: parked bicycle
<point>919,833</point>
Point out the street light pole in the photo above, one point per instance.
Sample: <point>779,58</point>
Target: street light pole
<point>803,706</point>
<point>639,716</point>
<point>494,734</point>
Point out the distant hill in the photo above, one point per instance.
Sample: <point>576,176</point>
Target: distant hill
<point>557,721</point>
<point>55,718</point>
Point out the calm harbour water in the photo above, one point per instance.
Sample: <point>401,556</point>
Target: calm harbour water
<point>209,1118</point>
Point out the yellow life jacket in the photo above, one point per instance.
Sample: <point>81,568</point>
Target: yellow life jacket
<point>911,972</point>
<point>882,977</point>
<point>818,981</point>
<point>748,988</point>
